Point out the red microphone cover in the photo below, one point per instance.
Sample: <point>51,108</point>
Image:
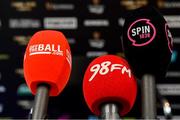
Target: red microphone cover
<point>47,60</point>
<point>108,79</point>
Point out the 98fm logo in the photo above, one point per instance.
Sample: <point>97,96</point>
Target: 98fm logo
<point>141,32</point>
<point>108,67</point>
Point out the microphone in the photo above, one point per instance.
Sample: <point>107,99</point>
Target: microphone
<point>147,44</point>
<point>109,87</point>
<point>47,67</point>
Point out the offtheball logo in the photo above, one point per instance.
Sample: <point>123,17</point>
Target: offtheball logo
<point>49,49</point>
<point>45,49</point>
<point>169,37</point>
<point>141,32</point>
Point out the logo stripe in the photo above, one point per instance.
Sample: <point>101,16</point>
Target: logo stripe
<point>36,53</point>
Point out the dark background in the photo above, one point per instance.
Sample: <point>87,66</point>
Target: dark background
<point>93,28</point>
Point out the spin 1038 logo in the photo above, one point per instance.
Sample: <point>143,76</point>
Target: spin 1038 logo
<point>141,32</point>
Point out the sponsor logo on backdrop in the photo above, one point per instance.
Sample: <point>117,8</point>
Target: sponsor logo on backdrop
<point>133,4</point>
<point>174,56</point>
<point>141,32</point>
<point>97,41</point>
<point>90,54</point>
<point>1,108</point>
<point>24,23</point>
<point>96,23</point>
<point>21,39</point>
<point>168,4</point>
<point>96,7</point>
<point>4,56</point>
<point>169,89</point>
<point>23,90</point>
<point>121,22</point>
<point>175,106</point>
<point>20,72</point>
<point>176,40</point>
<point>25,104</point>
<point>173,20</point>
<point>99,9</point>
<point>2,89</point>
<point>61,23</point>
<point>58,6</point>
<point>163,117</point>
<point>23,6</point>
<point>175,74</point>
<point>71,41</point>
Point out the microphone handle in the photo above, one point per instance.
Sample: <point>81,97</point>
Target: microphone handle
<point>110,111</point>
<point>41,102</point>
<point>148,97</point>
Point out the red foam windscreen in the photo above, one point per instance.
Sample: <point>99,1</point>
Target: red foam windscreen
<point>47,60</point>
<point>109,79</point>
